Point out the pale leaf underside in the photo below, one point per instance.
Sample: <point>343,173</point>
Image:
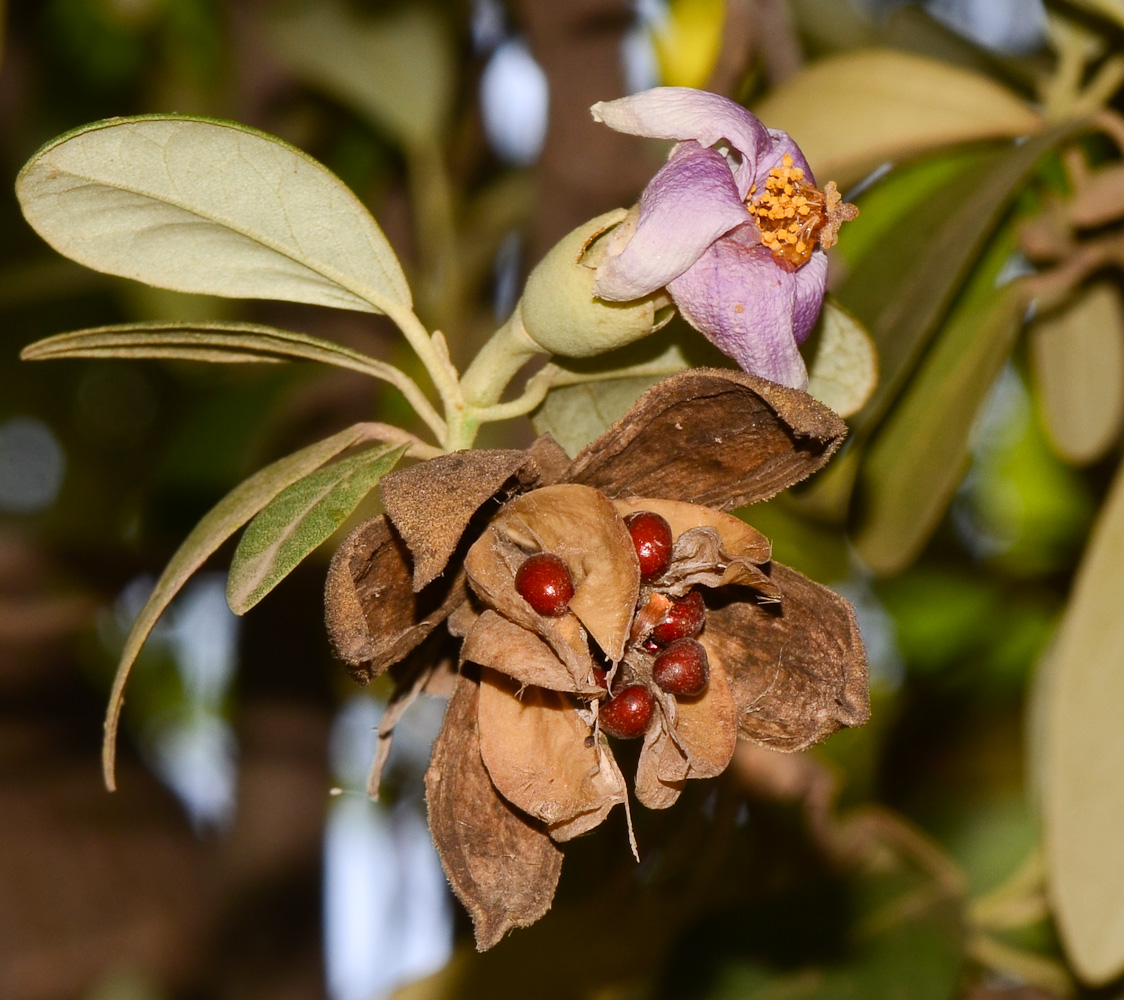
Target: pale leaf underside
<point>210,207</point>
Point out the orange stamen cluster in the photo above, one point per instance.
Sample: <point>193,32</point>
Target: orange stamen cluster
<point>790,214</point>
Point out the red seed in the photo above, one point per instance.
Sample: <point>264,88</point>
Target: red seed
<point>684,620</point>
<point>626,715</point>
<point>544,582</point>
<point>682,669</point>
<point>651,534</point>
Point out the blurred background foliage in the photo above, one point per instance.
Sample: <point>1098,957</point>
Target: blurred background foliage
<point>965,843</point>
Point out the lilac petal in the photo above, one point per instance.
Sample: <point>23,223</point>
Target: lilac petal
<point>782,143</point>
<point>684,113</point>
<point>746,305</point>
<point>811,279</point>
<point>689,204</point>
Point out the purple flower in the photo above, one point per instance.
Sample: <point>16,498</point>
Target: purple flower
<point>733,225</point>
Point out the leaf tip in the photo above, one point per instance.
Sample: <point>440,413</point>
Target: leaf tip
<point>109,746</point>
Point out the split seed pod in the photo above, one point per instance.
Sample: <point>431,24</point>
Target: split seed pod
<point>519,767</point>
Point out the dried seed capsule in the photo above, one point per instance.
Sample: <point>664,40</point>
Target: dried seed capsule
<point>684,620</point>
<point>544,582</point>
<point>626,715</point>
<point>682,669</point>
<point>651,535</point>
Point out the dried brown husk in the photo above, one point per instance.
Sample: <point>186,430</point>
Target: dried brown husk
<point>711,436</point>
<point>662,770</point>
<point>431,504</point>
<point>693,738</point>
<point>495,642</point>
<point>501,863</point>
<point>581,526</point>
<point>373,616</point>
<point>797,668</point>
<point>706,727</point>
<point>714,437</point>
<point>542,758</point>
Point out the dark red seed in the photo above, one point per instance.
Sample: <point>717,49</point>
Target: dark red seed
<point>684,620</point>
<point>600,678</point>
<point>682,669</point>
<point>544,582</point>
<point>651,534</point>
<point>626,715</point>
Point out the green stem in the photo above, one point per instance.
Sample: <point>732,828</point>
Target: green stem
<point>552,376</point>
<point>435,360</point>
<point>462,431</point>
<point>498,362</point>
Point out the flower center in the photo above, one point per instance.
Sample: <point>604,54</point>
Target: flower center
<point>794,216</point>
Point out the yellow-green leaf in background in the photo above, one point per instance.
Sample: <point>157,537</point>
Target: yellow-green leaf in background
<point>1082,757</point>
<point>210,207</point>
<point>900,196</point>
<point>916,245</point>
<point>851,112</point>
<point>843,365</point>
<point>397,69</point>
<point>687,41</point>
<point>299,520</point>
<point>222,521</point>
<point>1077,356</point>
<point>902,286</point>
<point>1112,9</point>
<point>919,455</point>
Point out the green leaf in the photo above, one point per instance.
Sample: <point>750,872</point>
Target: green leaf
<point>920,454</point>
<point>921,232</point>
<point>852,112</point>
<point>298,520</point>
<point>843,366</point>
<point>899,195</point>
<point>1082,757</point>
<point>925,259</point>
<point>578,414</point>
<point>214,342</point>
<point>588,395</point>
<point>224,343</point>
<point>211,207</point>
<point>396,69</point>
<point>222,521</point>
<point>1077,356</point>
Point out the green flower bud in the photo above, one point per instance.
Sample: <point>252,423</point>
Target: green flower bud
<point>559,311</point>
